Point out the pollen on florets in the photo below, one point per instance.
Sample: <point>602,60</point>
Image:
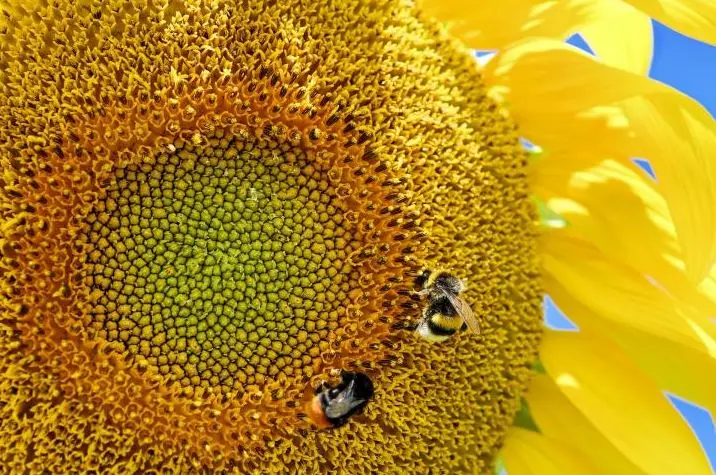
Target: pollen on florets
<point>221,265</point>
<point>218,205</point>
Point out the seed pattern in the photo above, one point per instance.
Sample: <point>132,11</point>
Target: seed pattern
<point>220,266</point>
<point>368,100</point>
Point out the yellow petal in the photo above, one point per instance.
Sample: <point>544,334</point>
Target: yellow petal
<point>559,420</point>
<point>550,77</point>
<point>623,115</point>
<point>616,292</point>
<point>529,453</point>
<point>638,231</point>
<point>480,25</point>
<point>674,367</point>
<point>708,290</point>
<point>483,26</point>
<point>622,403</point>
<point>695,18</point>
<point>675,131</point>
<point>623,38</point>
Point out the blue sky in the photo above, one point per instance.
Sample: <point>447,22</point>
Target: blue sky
<point>688,65</point>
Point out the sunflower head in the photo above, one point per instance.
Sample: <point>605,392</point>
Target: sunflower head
<point>211,208</point>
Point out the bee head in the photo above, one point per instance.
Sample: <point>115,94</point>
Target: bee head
<point>449,282</point>
<point>422,279</point>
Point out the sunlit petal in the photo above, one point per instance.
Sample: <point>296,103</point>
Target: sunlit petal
<point>616,30</point>
<point>529,453</point>
<point>624,38</point>
<point>695,18</point>
<point>637,230</point>
<point>622,403</point>
<point>559,420</point>
<point>543,82</point>
<point>675,367</point>
<point>615,291</point>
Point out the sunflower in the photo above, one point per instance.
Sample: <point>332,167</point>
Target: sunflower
<point>211,207</point>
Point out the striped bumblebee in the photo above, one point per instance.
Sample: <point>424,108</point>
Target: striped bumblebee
<point>445,311</point>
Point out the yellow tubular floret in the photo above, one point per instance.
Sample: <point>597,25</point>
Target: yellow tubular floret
<point>209,207</point>
<point>626,266</point>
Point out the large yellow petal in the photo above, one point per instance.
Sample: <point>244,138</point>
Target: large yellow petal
<point>622,403</point>
<point>688,133</point>
<point>529,453</point>
<point>674,367</point>
<point>565,100</point>
<point>616,292</point>
<point>631,48</point>
<point>559,420</point>
<point>554,78</point>
<point>483,25</point>
<point>638,231</point>
<point>695,18</point>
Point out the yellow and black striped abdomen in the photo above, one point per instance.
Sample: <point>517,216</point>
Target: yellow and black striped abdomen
<point>440,323</point>
<point>439,327</point>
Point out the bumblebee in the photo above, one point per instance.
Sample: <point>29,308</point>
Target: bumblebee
<point>446,311</point>
<point>331,407</point>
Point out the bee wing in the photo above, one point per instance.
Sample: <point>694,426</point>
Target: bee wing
<point>465,312</point>
<point>342,407</point>
<point>344,403</point>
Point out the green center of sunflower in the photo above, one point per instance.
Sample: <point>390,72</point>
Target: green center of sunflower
<point>219,265</point>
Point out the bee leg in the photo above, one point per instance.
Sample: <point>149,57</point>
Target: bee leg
<point>405,326</point>
<point>420,293</point>
<point>423,277</point>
